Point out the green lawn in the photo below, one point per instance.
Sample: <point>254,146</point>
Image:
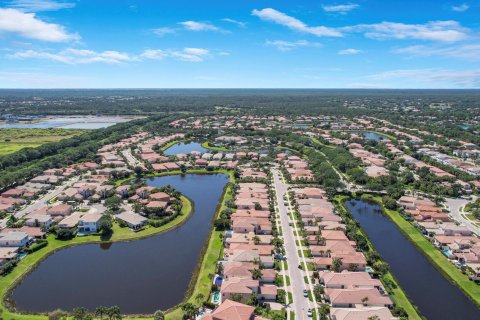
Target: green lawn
<point>12,140</point>
<point>171,143</point>
<point>119,234</point>
<point>449,270</point>
<point>398,295</point>
<point>209,262</point>
<point>206,145</point>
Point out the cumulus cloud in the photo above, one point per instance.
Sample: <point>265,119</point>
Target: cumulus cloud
<point>289,45</point>
<point>80,56</point>
<point>442,31</point>
<point>463,52</point>
<point>163,31</point>
<point>349,51</point>
<point>341,8</point>
<point>40,5</point>
<point>199,26</point>
<point>76,56</point>
<point>238,23</point>
<point>29,26</point>
<point>433,77</point>
<point>272,15</point>
<point>461,8</point>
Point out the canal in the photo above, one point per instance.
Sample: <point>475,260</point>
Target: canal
<point>435,296</point>
<point>139,276</point>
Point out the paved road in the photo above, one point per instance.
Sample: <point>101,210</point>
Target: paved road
<point>132,161</point>
<point>43,201</point>
<point>456,206</point>
<point>300,303</point>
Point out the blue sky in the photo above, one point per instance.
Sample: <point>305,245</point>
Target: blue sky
<point>239,44</point>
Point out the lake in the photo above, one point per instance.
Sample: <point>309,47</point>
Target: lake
<point>427,288</point>
<point>82,122</point>
<point>185,147</point>
<point>372,136</point>
<point>139,276</point>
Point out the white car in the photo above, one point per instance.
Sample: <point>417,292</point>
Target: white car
<point>309,313</point>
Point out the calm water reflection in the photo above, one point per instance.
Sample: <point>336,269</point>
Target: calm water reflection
<point>435,296</point>
<point>139,276</point>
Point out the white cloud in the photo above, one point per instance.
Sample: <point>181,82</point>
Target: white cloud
<point>40,5</point>
<point>349,51</point>
<point>163,31</point>
<point>463,52</point>
<point>289,45</point>
<point>76,56</point>
<point>199,26</point>
<point>433,77</point>
<point>272,15</point>
<point>461,8</point>
<point>341,8</point>
<point>29,26</point>
<point>442,31</point>
<point>238,23</point>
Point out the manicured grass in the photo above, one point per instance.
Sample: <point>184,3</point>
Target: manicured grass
<point>449,270</point>
<point>208,266</point>
<point>206,145</point>
<point>12,140</point>
<point>315,140</point>
<point>120,234</point>
<point>397,293</point>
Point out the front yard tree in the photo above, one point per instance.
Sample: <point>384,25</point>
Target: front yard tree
<point>113,203</point>
<point>189,311</point>
<point>100,312</point>
<point>336,264</point>
<point>159,315</point>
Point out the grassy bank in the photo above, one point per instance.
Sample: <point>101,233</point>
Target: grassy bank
<point>450,271</point>
<point>397,293</point>
<point>207,145</point>
<point>12,140</point>
<point>201,281</point>
<point>119,234</point>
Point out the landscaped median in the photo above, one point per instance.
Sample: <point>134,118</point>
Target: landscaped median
<point>28,263</point>
<point>448,269</point>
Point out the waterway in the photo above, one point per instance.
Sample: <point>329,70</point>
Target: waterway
<point>436,297</point>
<point>139,276</point>
<point>185,148</point>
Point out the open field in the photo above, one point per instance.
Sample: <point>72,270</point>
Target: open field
<point>12,140</point>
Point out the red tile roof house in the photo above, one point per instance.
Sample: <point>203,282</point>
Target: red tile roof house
<point>249,224</point>
<point>251,203</point>
<point>348,280</point>
<point>13,193</point>
<point>201,163</point>
<point>230,310</point>
<point>144,192</point>
<point>60,210</point>
<point>351,298</point>
<point>380,313</point>
<point>243,288</point>
<point>122,191</point>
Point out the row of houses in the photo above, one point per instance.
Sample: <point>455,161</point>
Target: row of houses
<point>375,164</point>
<point>295,167</point>
<point>349,289</point>
<point>248,247</point>
<point>455,241</point>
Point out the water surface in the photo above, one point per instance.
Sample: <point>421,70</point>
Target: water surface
<point>140,276</point>
<point>185,147</point>
<point>435,296</point>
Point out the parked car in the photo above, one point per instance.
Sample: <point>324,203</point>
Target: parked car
<point>305,293</point>
<point>309,313</point>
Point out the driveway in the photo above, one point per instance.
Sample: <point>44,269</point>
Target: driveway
<point>456,208</point>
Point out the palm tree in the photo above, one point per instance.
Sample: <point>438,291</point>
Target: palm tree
<point>159,315</point>
<point>364,301</point>
<point>113,313</point>
<point>256,240</point>
<point>189,310</point>
<point>336,264</point>
<point>100,312</point>
<point>256,274</point>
